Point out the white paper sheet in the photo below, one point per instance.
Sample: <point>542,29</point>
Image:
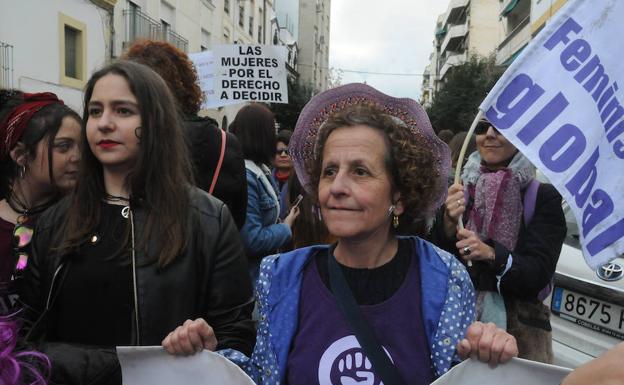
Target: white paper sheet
<point>515,372</point>
<point>154,366</point>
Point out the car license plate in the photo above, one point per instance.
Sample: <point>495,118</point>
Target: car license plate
<point>589,312</point>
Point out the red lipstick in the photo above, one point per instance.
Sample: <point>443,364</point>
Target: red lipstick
<point>107,144</point>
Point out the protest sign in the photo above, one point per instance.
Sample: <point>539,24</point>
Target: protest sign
<point>558,103</point>
<point>515,372</point>
<point>153,365</point>
<point>250,72</point>
<point>206,70</point>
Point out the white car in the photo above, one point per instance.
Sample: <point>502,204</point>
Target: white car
<point>587,305</point>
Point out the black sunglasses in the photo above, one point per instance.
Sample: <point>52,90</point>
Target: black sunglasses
<point>22,235</point>
<point>483,126</point>
<point>281,151</point>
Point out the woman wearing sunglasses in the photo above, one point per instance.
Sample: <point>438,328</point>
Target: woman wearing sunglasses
<point>262,233</point>
<point>39,138</point>
<point>135,251</point>
<point>514,229</point>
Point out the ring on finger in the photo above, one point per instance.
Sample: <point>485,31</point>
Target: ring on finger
<point>458,203</point>
<point>466,250</point>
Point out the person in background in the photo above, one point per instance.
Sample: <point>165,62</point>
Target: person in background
<point>455,146</point>
<point>135,251</point>
<point>367,159</point>
<point>217,170</point>
<point>513,255</point>
<point>39,139</point>
<point>308,229</point>
<point>282,165</point>
<point>262,234</point>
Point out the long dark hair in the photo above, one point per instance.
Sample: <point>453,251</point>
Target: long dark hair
<point>159,180</point>
<point>254,126</point>
<point>44,125</point>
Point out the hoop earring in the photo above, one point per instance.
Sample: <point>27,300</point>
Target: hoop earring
<point>137,132</point>
<point>395,220</point>
<point>22,171</point>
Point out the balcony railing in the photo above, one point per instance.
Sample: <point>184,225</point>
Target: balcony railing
<point>455,10</point>
<point>453,37</point>
<point>516,39</point>
<point>6,65</point>
<point>140,26</point>
<point>451,60</point>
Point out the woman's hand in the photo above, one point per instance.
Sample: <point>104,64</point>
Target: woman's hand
<point>190,338</point>
<point>292,215</point>
<point>454,208</point>
<point>472,248</point>
<point>488,344</point>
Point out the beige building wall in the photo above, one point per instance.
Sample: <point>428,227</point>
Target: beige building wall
<point>484,30</point>
<point>313,65</point>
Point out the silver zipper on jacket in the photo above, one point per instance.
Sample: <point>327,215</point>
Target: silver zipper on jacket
<point>47,307</point>
<point>134,282</point>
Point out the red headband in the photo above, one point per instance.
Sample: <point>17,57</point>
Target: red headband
<point>13,126</point>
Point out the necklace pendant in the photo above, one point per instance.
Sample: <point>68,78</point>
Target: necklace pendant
<point>125,212</point>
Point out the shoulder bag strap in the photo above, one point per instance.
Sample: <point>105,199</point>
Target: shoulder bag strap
<point>363,331</point>
<point>219,163</point>
<point>530,196</point>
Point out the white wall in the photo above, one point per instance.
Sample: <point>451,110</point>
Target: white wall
<point>35,38</point>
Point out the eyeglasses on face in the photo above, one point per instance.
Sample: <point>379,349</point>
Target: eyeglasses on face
<point>483,126</point>
<point>281,151</point>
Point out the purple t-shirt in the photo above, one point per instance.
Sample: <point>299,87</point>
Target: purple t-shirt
<point>326,352</point>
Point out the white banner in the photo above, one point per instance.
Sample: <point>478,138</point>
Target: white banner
<point>152,365</point>
<point>206,69</point>
<point>558,103</point>
<point>515,372</point>
<point>250,73</point>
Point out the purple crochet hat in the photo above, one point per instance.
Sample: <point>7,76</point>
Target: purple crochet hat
<point>302,146</point>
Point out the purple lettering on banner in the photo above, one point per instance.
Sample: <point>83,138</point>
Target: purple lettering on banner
<point>606,238</point>
<point>513,101</point>
<point>599,80</point>
<point>618,149</point>
<point>547,114</point>
<point>600,207</point>
<point>614,132</point>
<point>575,54</point>
<point>582,183</point>
<point>561,35</point>
<point>570,140</point>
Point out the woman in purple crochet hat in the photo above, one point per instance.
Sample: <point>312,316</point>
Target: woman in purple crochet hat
<point>374,307</point>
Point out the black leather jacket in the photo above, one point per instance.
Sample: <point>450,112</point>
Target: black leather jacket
<point>215,286</point>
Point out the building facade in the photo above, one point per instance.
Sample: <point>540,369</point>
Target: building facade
<point>313,63</point>
<point>65,42</point>
<point>467,27</point>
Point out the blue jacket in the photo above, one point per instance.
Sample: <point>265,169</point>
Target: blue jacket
<point>447,295</point>
<point>261,234</point>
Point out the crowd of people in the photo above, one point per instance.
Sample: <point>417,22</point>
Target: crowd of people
<point>142,223</point>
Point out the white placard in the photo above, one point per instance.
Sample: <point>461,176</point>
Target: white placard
<point>250,73</point>
<point>560,104</point>
<point>152,365</point>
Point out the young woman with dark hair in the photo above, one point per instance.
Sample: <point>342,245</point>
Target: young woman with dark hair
<point>262,234</point>
<point>135,251</point>
<point>216,155</point>
<point>39,138</point>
